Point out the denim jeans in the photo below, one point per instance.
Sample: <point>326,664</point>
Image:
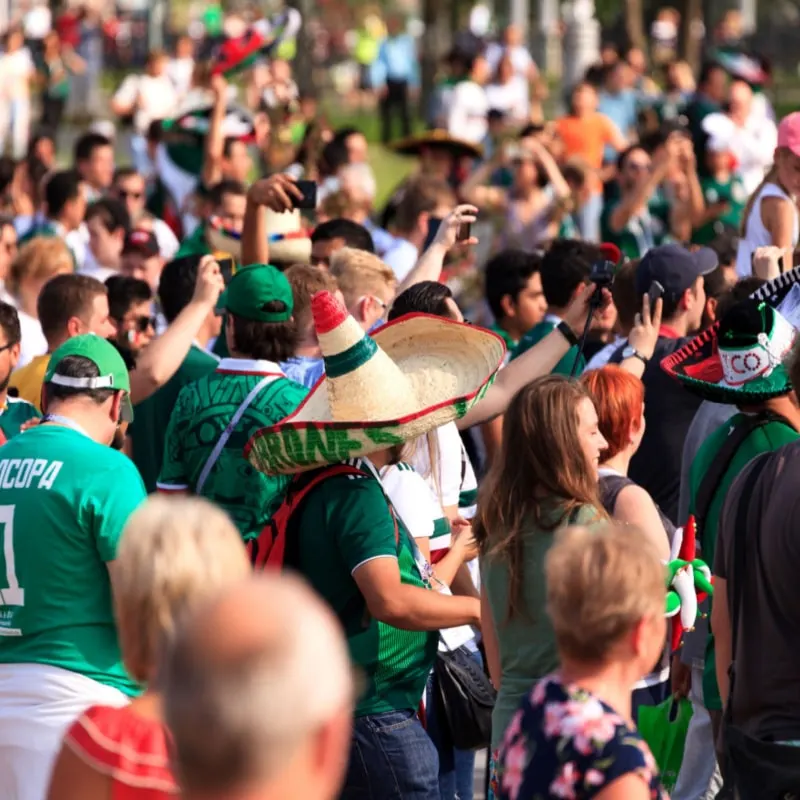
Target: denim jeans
<point>391,758</point>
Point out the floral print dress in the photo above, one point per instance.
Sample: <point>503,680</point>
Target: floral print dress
<point>566,743</point>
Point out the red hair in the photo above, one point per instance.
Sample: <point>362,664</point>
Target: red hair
<point>619,399</point>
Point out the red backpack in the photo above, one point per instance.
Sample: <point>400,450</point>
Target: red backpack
<point>274,547</point>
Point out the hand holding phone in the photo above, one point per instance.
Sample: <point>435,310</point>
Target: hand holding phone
<point>655,292</point>
<point>308,201</point>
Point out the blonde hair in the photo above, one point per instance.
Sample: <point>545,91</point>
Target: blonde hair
<point>40,259</point>
<point>360,273</point>
<point>600,583</point>
<point>306,281</point>
<point>175,552</point>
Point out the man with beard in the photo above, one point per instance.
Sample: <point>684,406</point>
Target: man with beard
<point>14,412</point>
<point>65,496</point>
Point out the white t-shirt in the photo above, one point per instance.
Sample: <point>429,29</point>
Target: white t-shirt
<point>179,71</point>
<point>511,98</point>
<point>521,59</point>
<point>466,113</point>
<point>32,341</point>
<point>153,98</point>
<point>449,445</point>
<point>16,70</point>
<point>401,257</point>
<point>37,22</point>
<point>411,498</point>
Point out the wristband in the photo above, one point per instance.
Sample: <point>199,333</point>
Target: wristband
<point>567,333</point>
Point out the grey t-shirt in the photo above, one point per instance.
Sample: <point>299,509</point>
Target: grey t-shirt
<point>766,695</point>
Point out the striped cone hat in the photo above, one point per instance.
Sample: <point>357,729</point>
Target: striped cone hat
<point>413,375</point>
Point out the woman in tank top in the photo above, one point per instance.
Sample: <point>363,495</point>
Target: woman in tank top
<point>618,397</point>
<point>771,215</point>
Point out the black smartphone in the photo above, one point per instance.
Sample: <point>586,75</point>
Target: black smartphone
<point>464,232</point>
<point>655,292</point>
<point>309,192</point>
<point>226,266</point>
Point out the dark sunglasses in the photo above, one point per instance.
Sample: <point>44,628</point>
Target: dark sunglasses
<point>141,324</point>
<point>125,194</point>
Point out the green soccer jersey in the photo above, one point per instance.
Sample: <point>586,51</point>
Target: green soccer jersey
<point>152,415</point>
<point>343,523</point>
<point>200,417</point>
<point>195,244</point>
<point>765,439</point>
<point>64,501</point>
<point>12,417</point>
<point>642,232</point>
<point>730,192</point>
<point>536,334</point>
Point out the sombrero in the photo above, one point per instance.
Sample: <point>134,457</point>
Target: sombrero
<point>740,360</point>
<point>437,138</point>
<point>413,375</point>
<point>288,241</point>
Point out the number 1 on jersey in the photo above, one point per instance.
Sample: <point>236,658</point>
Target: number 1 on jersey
<point>13,595</point>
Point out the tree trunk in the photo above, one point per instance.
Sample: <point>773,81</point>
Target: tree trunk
<point>303,64</point>
<point>634,23</point>
<point>429,57</point>
<point>691,27</point>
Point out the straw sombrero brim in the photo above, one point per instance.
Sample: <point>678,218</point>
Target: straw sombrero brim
<point>413,145</point>
<point>449,366</point>
<point>698,367</point>
<point>286,251</point>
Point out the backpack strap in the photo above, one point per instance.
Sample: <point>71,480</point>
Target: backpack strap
<point>273,544</point>
<point>719,466</point>
<point>740,533</point>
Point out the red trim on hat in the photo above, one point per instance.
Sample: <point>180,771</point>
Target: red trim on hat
<point>396,422</point>
<point>328,312</point>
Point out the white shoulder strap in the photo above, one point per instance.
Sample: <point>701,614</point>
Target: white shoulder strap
<point>226,434</point>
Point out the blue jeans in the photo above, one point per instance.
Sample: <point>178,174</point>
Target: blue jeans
<point>391,758</point>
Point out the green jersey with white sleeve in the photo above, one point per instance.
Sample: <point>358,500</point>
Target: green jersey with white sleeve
<point>64,501</point>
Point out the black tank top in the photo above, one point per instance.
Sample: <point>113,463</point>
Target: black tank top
<point>612,485</point>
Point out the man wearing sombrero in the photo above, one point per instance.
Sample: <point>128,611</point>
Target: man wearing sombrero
<point>439,153</point>
<point>739,362</point>
<point>345,537</point>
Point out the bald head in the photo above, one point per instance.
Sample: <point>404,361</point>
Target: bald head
<point>247,666</point>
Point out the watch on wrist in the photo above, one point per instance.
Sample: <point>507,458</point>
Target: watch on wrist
<point>567,333</point>
<point>629,351</point>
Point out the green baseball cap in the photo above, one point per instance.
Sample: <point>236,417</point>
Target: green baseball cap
<point>109,363</point>
<point>252,287</point>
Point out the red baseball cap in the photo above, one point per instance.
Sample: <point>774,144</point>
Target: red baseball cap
<point>789,132</point>
<point>144,242</point>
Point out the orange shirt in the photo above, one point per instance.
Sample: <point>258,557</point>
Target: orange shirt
<point>587,137</point>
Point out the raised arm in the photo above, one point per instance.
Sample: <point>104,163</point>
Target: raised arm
<point>215,138</point>
<point>429,266</point>
<point>160,360</point>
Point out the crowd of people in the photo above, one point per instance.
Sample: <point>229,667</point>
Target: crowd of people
<point>305,498</point>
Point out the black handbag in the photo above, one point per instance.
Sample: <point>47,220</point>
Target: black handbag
<point>758,769</point>
<point>464,698</point>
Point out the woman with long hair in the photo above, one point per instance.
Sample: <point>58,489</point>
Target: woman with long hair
<point>174,555</point>
<point>771,216</point>
<point>573,735</point>
<point>544,479</point>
